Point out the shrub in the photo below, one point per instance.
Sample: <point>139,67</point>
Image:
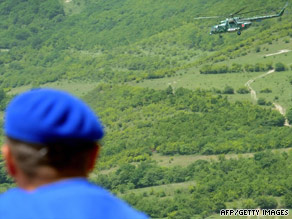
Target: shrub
<point>261,101</point>
<point>249,204</point>
<point>280,66</point>
<point>228,90</point>
<point>266,202</point>
<point>217,91</point>
<point>242,90</point>
<point>266,90</point>
<point>289,115</point>
<point>236,67</point>
<point>288,200</point>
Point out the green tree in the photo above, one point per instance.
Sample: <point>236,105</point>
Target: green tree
<point>266,90</point>
<point>280,67</point>
<point>249,204</point>
<point>242,90</point>
<point>288,200</point>
<point>289,115</point>
<point>266,202</point>
<point>261,101</point>
<point>169,90</point>
<point>228,90</point>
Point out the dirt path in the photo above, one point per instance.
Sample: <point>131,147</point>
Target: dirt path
<point>280,108</point>
<point>283,112</point>
<point>248,84</point>
<point>254,94</point>
<point>278,53</point>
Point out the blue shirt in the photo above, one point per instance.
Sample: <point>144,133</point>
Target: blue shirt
<point>67,199</point>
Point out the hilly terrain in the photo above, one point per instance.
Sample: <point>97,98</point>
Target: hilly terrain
<point>194,122</point>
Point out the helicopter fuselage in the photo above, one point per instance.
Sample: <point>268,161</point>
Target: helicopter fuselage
<point>230,25</point>
<point>237,24</point>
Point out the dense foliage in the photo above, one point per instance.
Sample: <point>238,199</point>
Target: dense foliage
<point>140,121</point>
<point>236,68</point>
<point>255,181</point>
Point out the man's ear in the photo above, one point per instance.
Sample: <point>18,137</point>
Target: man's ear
<point>9,161</point>
<point>93,157</point>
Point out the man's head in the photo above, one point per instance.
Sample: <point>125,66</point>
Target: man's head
<point>50,131</point>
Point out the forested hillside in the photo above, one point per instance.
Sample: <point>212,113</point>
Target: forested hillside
<point>184,137</point>
<point>118,40</point>
<point>143,121</point>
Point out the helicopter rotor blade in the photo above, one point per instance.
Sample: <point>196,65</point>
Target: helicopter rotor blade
<point>251,11</point>
<point>237,12</point>
<point>212,17</point>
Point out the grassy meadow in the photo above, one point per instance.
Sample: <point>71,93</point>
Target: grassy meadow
<point>278,82</point>
<point>76,87</point>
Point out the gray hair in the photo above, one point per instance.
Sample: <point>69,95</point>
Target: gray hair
<point>29,157</point>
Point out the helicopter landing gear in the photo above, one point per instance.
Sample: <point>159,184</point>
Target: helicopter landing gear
<point>238,32</point>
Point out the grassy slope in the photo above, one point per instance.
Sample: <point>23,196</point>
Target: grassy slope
<point>278,82</point>
<point>76,87</point>
<point>191,79</point>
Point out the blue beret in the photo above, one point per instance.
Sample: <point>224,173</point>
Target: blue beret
<point>51,116</point>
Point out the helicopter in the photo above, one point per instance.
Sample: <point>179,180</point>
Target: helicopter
<point>238,24</point>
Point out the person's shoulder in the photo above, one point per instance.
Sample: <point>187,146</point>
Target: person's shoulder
<point>11,200</point>
<point>75,198</point>
<point>89,197</point>
<point>117,208</point>
<point>112,206</point>
<point>10,196</point>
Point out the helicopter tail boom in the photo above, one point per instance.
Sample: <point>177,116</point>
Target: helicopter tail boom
<point>267,16</point>
<point>282,11</point>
